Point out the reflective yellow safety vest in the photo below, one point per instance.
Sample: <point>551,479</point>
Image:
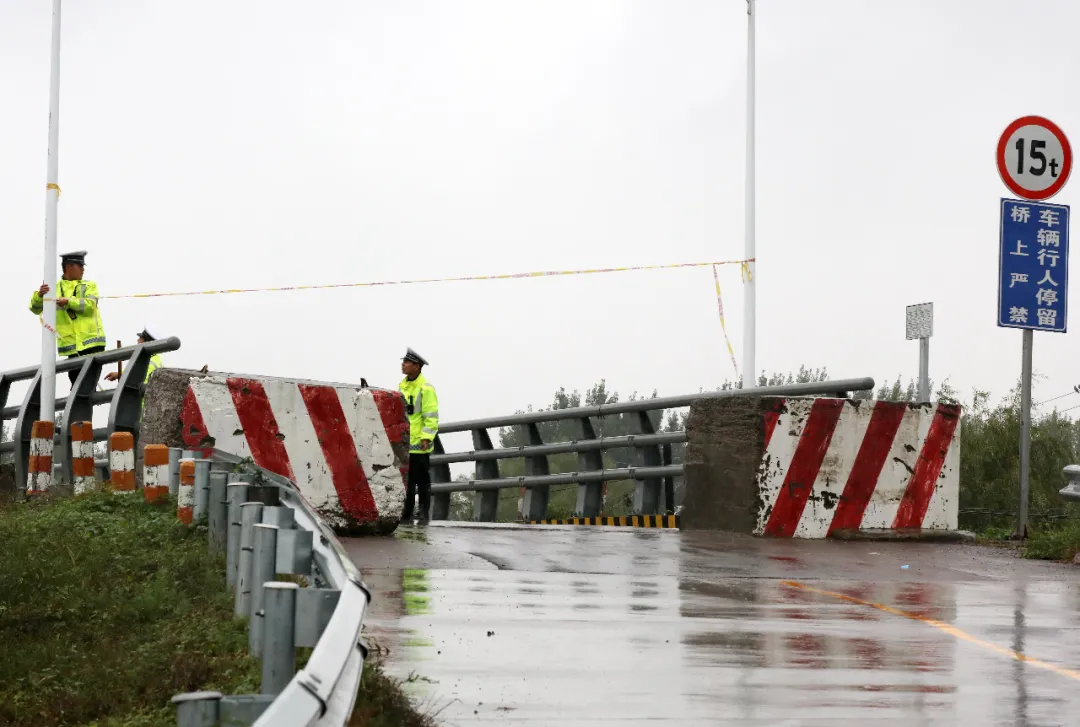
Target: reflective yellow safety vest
<point>422,406</point>
<point>155,364</point>
<point>78,326</point>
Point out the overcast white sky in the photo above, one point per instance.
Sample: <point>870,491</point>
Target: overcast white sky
<point>207,145</point>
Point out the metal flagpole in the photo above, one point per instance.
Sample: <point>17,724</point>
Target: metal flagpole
<point>52,195</point>
<point>749,268</point>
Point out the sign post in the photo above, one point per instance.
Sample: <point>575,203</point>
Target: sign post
<point>1034,159</point>
<point>920,325</point>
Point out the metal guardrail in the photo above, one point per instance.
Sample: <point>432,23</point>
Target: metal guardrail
<point>125,401</point>
<point>323,693</point>
<point>654,478</point>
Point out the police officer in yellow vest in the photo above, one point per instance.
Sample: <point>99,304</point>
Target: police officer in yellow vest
<point>78,321</point>
<point>155,361</point>
<point>422,406</point>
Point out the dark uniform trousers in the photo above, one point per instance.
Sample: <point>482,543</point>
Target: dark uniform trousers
<point>419,483</point>
<point>74,373</point>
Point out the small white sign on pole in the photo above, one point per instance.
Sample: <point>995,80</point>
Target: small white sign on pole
<point>920,321</point>
<point>920,325</point>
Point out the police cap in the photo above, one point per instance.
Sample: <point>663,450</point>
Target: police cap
<point>73,258</point>
<point>411,355</point>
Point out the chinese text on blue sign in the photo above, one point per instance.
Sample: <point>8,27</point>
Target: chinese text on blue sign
<point>1034,262</point>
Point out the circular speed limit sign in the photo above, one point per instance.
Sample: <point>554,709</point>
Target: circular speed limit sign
<point>1034,158</point>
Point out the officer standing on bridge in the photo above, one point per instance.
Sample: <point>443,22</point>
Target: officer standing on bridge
<point>78,321</point>
<point>422,406</point>
<point>145,336</point>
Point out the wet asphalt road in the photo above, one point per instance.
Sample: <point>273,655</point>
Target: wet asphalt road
<point>585,626</point>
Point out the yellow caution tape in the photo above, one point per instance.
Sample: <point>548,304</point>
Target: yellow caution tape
<point>723,326</point>
<point>46,325</point>
<point>51,185</point>
<point>505,276</point>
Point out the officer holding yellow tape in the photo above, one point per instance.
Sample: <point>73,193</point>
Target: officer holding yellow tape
<point>422,407</point>
<point>78,321</point>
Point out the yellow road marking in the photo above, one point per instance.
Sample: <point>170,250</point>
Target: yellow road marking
<point>943,627</point>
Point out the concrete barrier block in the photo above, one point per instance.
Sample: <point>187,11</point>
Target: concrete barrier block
<point>815,468</point>
<point>345,446</point>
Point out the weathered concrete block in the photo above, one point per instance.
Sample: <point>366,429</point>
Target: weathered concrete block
<point>346,447</point>
<point>815,468</point>
<point>725,440</point>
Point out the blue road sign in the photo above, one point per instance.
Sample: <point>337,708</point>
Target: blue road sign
<point>1033,268</point>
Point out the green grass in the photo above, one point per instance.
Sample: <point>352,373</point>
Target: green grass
<point>1045,541</point>
<point>1060,543</point>
<point>109,607</point>
<point>381,702</point>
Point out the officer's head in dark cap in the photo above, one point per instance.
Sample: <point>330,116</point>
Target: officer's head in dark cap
<point>73,263</point>
<point>412,363</point>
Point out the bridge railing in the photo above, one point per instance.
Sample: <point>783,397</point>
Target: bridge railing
<point>653,476</point>
<point>326,613</point>
<point>125,401</point>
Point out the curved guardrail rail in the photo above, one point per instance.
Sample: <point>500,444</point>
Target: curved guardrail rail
<point>323,693</point>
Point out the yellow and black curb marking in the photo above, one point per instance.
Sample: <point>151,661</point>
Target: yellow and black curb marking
<point>631,521</point>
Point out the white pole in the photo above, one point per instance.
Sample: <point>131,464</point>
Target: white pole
<point>924,370</point>
<point>749,283</point>
<point>52,195</point>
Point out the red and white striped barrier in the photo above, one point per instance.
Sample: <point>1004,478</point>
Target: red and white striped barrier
<point>837,464</point>
<point>185,499</point>
<point>122,463</point>
<point>155,472</point>
<point>82,457</point>
<point>39,477</point>
<point>336,442</point>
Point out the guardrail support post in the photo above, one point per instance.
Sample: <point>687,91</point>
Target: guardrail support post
<point>197,709</point>
<point>202,489</point>
<point>534,502</point>
<point>279,515</point>
<point>279,646</point>
<point>79,407</point>
<point>590,495</point>
<point>217,516</point>
<point>155,472</point>
<point>185,498</point>
<point>250,515</point>
<point>82,457</point>
<point>175,455</point>
<point>294,551</point>
<point>647,492</point>
<point>40,468</point>
<point>669,483</point>
<point>122,463</point>
<point>263,570</point>
<point>236,494</point>
<point>485,502</point>
<point>440,473</point>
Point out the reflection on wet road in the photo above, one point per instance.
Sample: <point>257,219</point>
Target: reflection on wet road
<point>591,626</point>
